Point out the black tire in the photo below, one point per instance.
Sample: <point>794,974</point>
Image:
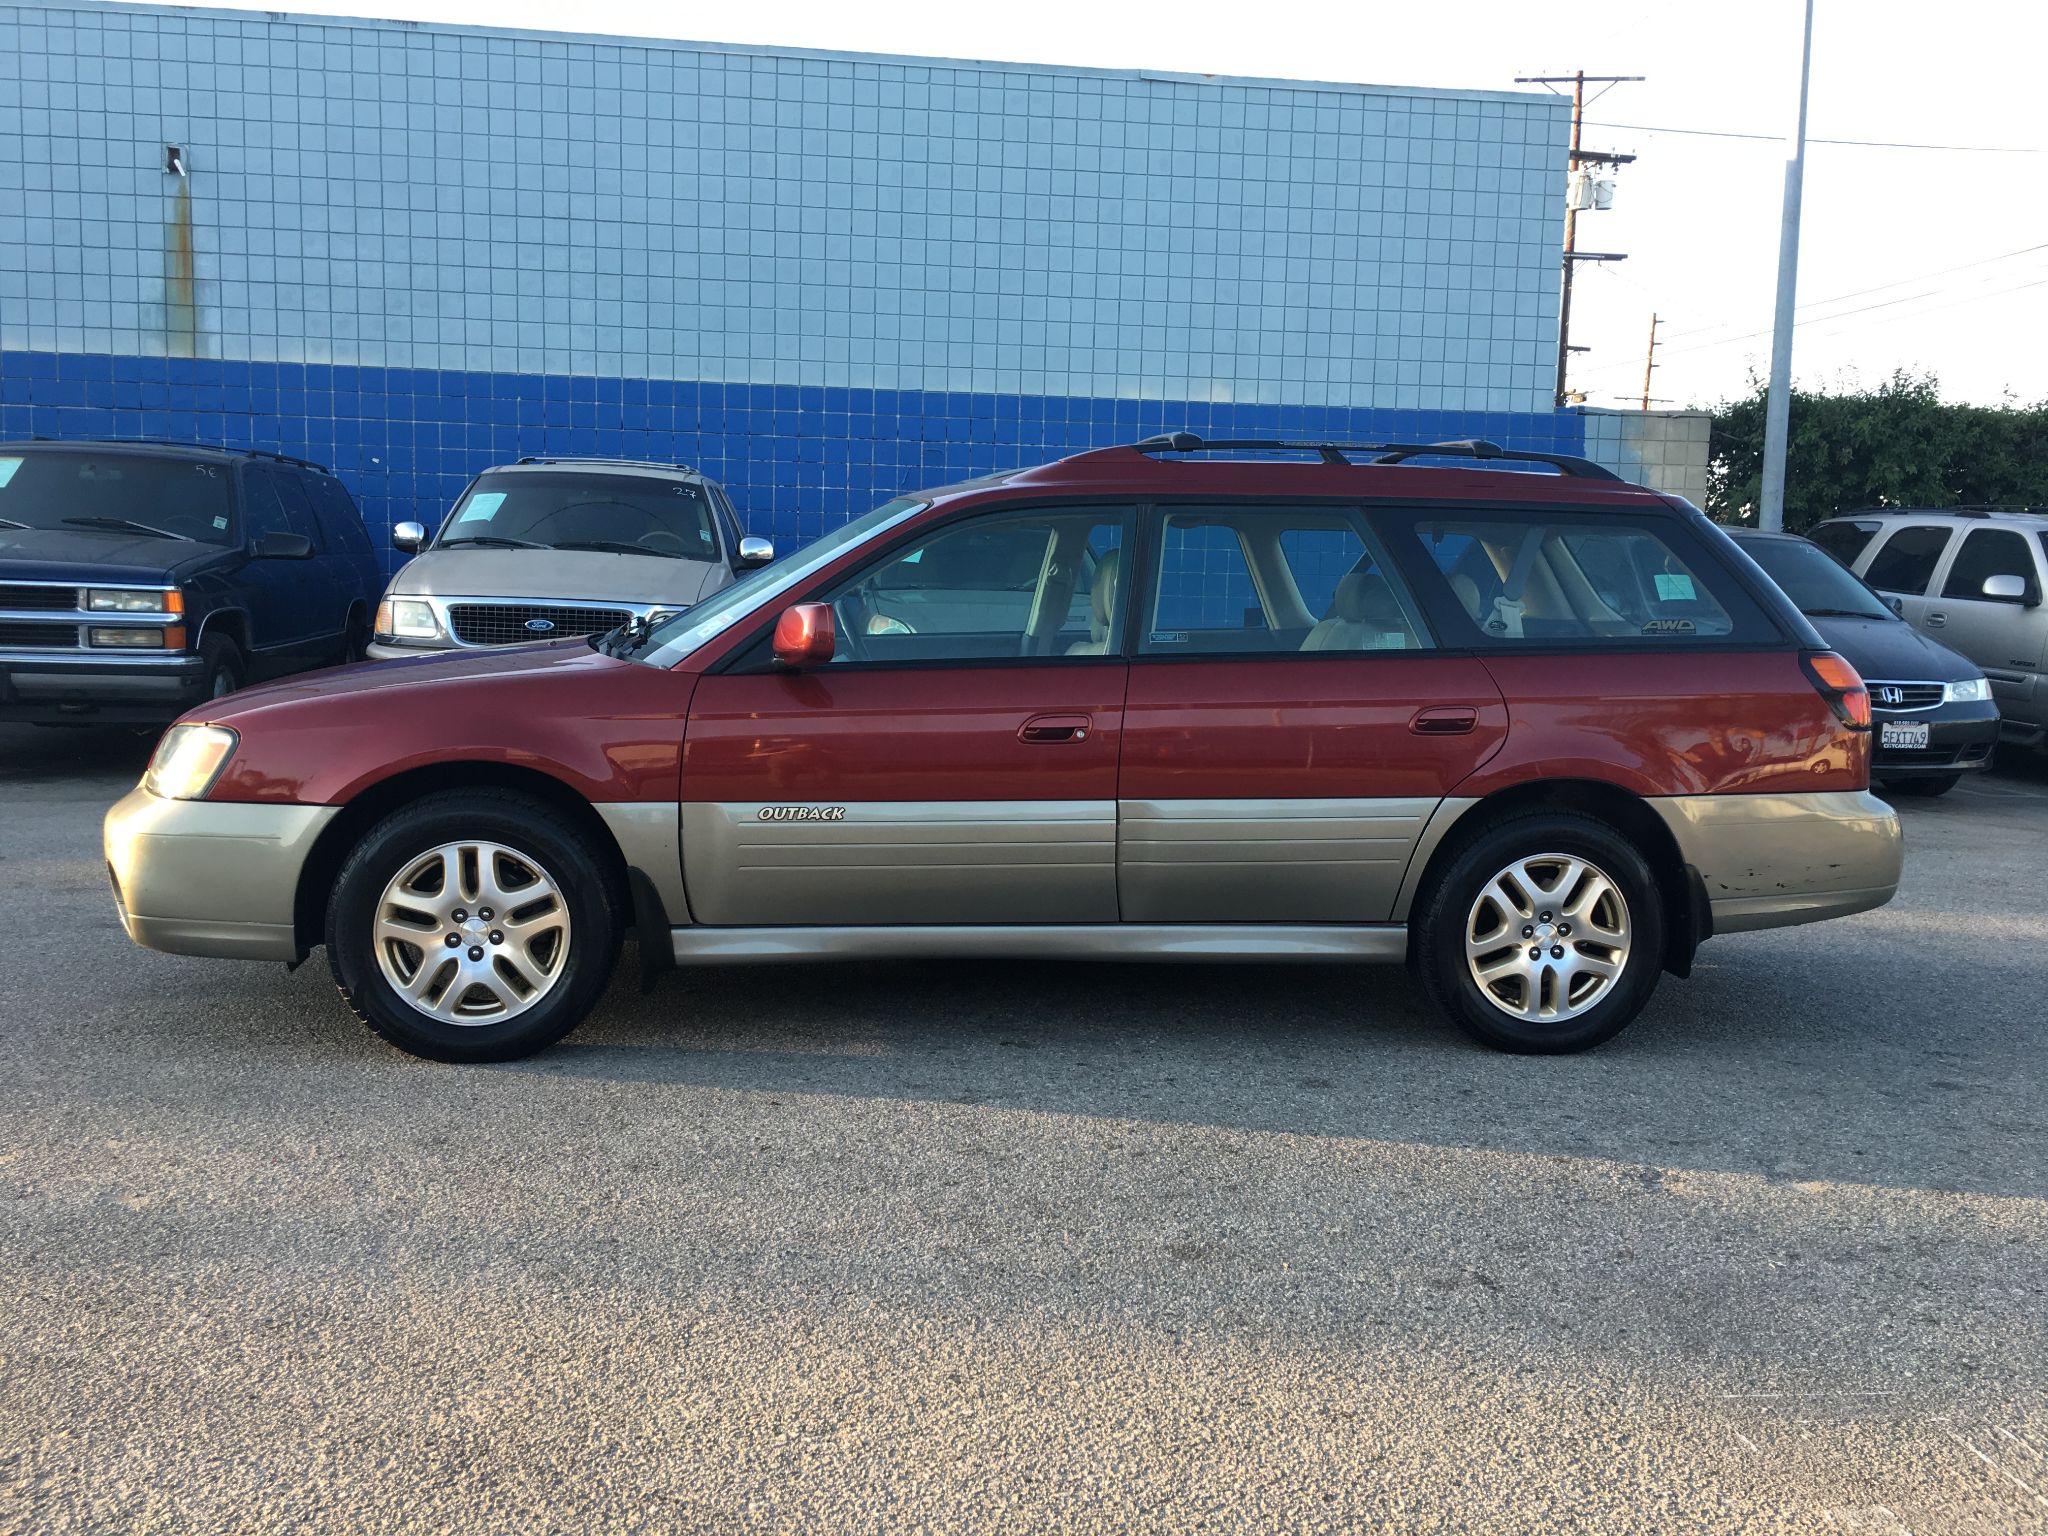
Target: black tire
<point>1447,906</point>
<point>533,831</point>
<point>1928,788</point>
<point>355,640</point>
<point>224,668</point>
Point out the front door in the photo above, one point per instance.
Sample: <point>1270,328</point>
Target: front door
<point>2004,636</point>
<point>955,763</point>
<point>1288,729</point>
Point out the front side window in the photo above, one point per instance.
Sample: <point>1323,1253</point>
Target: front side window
<point>1274,579</point>
<point>1560,579</point>
<point>1989,552</point>
<point>1905,562</point>
<point>1048,582</point>
<point>577,509</point>
<point>119,494</point>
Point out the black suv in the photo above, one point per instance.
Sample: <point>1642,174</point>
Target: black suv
<point>138,578</point>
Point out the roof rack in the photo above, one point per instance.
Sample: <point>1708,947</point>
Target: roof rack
<point>1975,509</point>
<point>570,458</point>
<point>1381,453</point>
<point>179,442</point>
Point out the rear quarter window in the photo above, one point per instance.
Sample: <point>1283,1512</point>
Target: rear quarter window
<point>1567,578</point>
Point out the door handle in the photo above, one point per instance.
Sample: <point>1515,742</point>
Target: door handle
<point>1936,620</point>
<point>1049,730</point>
<point>1444,720</point>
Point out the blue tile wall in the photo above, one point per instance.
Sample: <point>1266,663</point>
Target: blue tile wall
<point>797,460</point>
<point>412,251</point>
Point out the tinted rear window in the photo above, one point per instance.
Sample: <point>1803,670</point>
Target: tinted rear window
<point>1906,560</point>
<point>1568,579</point>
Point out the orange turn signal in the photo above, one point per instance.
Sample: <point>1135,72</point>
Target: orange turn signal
<point>1841,685</point>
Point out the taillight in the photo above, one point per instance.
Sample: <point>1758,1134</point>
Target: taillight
<point>1841,685</point>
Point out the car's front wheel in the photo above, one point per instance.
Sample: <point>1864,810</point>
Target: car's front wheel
<point>473,926</point>
<point>1545,933</point>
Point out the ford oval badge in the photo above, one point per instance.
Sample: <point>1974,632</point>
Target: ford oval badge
<point>540,626</point>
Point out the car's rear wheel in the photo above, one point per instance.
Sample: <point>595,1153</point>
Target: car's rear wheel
<point>1930,786</point>
<point>473,926</point>
<point>1545,933</point>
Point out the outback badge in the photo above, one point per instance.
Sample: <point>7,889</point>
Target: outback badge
<point>802,813</point>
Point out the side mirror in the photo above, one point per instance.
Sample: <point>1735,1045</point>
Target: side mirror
<point>279,545</point>
<point>753,553</point>
<point>2006,588</point>
<point>805,636</point>
<point>409,537</point>
<point>1897,605</point>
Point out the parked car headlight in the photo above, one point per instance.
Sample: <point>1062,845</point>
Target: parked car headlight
<point>188,761</point>
<point>1975,690</point>
<point>407,618</point>
<point>129,600</point>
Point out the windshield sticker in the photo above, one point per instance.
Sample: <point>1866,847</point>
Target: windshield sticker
<point>7,469</point>
<point>1670,626</point>
<point>481,506</point>
<point>220,522</point>
<point>1674,589</point>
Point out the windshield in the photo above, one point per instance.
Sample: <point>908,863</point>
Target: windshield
<point>673,639</point>
<point>578,509</point>
<point>1813,580</point>
<point>120,494</point>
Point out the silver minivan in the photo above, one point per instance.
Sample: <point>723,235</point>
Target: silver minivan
<point>547,549</point>
<point>1974,580</point>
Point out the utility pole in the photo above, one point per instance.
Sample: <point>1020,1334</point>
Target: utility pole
<point>1649,360</point>
<point>1778,405</point>
<point>1578,80</point>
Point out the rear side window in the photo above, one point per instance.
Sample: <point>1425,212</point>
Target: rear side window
<point>1989,552</point>
<point>1905,562</point>
<point>1845,540</point>
<point>1563,579</point>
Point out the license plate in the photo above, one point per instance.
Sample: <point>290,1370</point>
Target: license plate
<point>1906,735</point>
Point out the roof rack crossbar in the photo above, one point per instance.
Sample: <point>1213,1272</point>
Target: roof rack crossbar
<point>595,458</point>
<point>1380,453</point>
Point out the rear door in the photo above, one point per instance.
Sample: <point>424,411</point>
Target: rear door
<point>1902,563</point>
<point>1290,724</point>
<point>955,763</point>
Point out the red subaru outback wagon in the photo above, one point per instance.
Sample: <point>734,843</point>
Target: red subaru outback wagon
<point>1537,734</point>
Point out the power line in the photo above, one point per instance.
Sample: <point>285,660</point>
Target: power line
<point>1920,277</point>
<point>1779,138</point>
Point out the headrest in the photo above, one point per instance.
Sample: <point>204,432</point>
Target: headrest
<point>1364,597</point>
<point>1104,590</point>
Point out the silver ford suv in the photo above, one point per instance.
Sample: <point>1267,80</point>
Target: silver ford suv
<point>1974,580</point>
<point>552,548</point>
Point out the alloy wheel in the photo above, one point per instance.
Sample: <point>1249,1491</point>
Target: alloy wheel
<point>472,933</point>
<point>1547,938</point>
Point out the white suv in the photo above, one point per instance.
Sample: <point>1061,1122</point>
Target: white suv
<point>1974,580</point>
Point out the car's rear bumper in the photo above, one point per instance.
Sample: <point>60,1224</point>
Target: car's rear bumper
<point>60,686</point>
<point>192,877</point>
<point>1769,861</point>
<point>1960,738</point>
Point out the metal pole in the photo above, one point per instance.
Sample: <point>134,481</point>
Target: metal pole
<point>1571,237</point>
<point>1778,405</point>
<point>1649,360</point>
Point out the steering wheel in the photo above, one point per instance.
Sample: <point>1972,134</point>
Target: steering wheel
<point>849,623</point>
<point>663,539</point>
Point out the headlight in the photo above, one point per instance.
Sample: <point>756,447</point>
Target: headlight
<point>1976,690</point>
<point>188,760</point>
<point>126,600</point>
<point>126,639</point>
<point>405,618</point>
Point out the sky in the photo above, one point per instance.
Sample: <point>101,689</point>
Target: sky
<point>1932,260</point>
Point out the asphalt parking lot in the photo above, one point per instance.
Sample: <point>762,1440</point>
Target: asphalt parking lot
<point>1020,1248</point>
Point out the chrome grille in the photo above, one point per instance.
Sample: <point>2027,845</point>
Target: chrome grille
<point>25,598</point>
<point>1894,698</point>
<point>505,623</point>
<point>26,634</point>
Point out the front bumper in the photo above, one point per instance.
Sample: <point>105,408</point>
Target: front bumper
<point>192,877</point>
<point>1959,740</point>
<point>105,689</point>
<point>1769,861</point>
